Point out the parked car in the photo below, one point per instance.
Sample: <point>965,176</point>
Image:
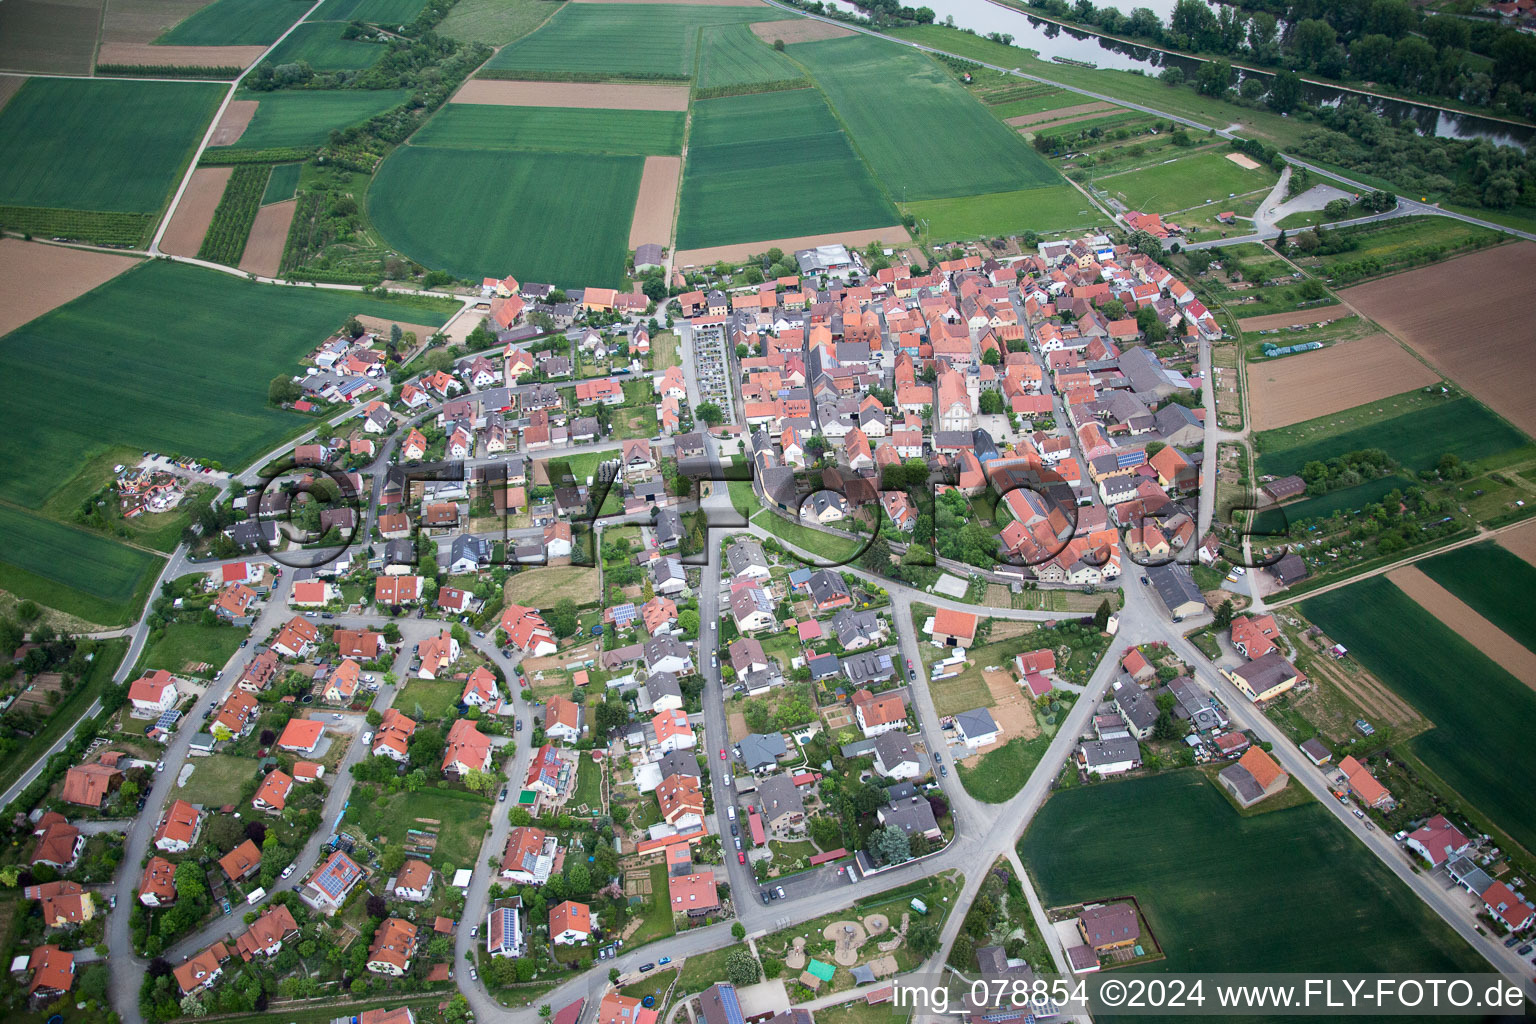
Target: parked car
<point>944,771</point>
<point>738,842</point>
<point>647,967</point>
<point>773,894</point>
<point>287,870</point>
<point>502,798</point>
<point>764,894</point>
<point>663,961</point>
<point>474,932</point>
<point>474,975</point>
<point>735,831</point>
<point>517,725</point>
<point>780,891</point>
<point>741,858</point>
<point>245,641</point>
<point>1511,941</point>
<point>367,737</point>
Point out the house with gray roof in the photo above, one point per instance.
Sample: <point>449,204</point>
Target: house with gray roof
<point>760,751</point>
<point>1176,588</point>
<point>1110,757</point>
<point>977,727</point>
<point>669,529</point>
<point>894,756</point>
<point>664,691</point>
<point>746,560</point>
<point>1137,708</point>
<point>857,629</point>
<point>780,802</point>
<point>914,816</point>
<point>868,667</point>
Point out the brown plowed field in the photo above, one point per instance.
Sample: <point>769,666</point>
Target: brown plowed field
<point>892,236</point>
<point>1471,318</point>
<point>144,21</point>
<point>1521,541</point>
<point>1299,387</point>
<point>1059,113</point>
<point>49,37</point>
<point>184,235</point>
<point>39,278</point>
<point>1512,655</point>
<point>182,56</point>
<point>1300,317</point>
<point>799,30</point>
<point>233,124</point>
<point>8,86</point>
<point>656,202</point>
<point>586,95</point>
<point>263,254</point>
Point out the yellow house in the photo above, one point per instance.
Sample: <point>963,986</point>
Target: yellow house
<point>1264,678</point>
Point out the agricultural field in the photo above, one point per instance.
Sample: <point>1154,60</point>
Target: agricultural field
<point>1304,385</point>
<point>473,211</point>
<point>1046,210</point>
<point>1453,684</point>
<point>77,572</point>
<point>554,130</point>
<point>735,56</point>
<point>1205,178</point>
<point>1323,901</point>
<point>1495,582</point>
<point>547,586</point>
<point>1386,247</point>
<point>43,277</point>
<point>856,73</point>
<point>113,346</point>
<point>51,37</point>
<point>281,183</point>
<point>773,165</point>
<point>495,22</point>
<point>320,45</point>
<point>375,12</point>
<point>610,41</point>
<point>236,23</point>
<point>80,144</point>
<point>305,117</point>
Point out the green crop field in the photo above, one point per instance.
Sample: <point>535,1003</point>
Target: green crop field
<point>495,22</point>
<point>1291,889</point>
<point>236,23</point>
<point>1497,583</point>
<point>1185,182</point>
<point>79,573</point>
<point>166,357</point>
<point>554,130</point>
<point>614,40</point>
<point>320,45</point>
<point>733,55</point>
<point>1416,438</point>
<point>1039,103</point>
<point>478,212</point>
<point>1048,209</point>
<point>773,165</point>
<point>935,141</point>
<point>79,144</point>
<point>304,118</point>
<point>282,183</point>
<point>1484,717</point>
<point>374,12</point>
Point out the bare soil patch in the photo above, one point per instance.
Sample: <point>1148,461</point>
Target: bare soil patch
<point>264,248</point>
<point>184,235</point>
<point>737,723</point>
<point>39,278</point>
<point>1521,541</point>
<point>8,86</point>
<point>1059,113</point>
<point>1298,318</point>
<point>1045,125</point>
<point>800,30</point>
<point>381,326</point>
<point>657,201</point>
<point>584,95</point>
<point>1300,387</point>
<point>894,235</point>
<point>1470,317</point>
<point>182,56</point>
<point>1011,709</point>
<point>1245,162</point>
<point>233,124</point>
<point>144,21</point>
<point>1512,655</point>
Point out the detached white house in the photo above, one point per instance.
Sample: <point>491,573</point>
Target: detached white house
<point>154,694</point>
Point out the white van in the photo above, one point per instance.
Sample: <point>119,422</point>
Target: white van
<point>730,812</point>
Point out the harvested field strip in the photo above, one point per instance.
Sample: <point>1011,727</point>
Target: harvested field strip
<point>143,21</point>
<point>40,278</point>
<point>656,204</point>
<point>1294,388</point>
<point>1469,317</point>
<point>8,86</point>
<point>237,23</point>
<point>1061,112</point>
<point>554,130</point>
<point>586,95</point>
<point>1301,317</point>
<point>1044,126</point>
<point>1494,581</point>
<point>1379,703</point>
<point>184,56</point>
<point>225,240</point>
<point>1451,611</point>
<point>232,124</point>
<point>893,235</point>
<point>184,235</point>
<point>264,249</point>
<point>798,30</point>
<point>1521,541</point>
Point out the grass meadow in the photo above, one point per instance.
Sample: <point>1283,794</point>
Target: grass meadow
<point>236,23</point>
<point>182,643</point>
<point>305,118</point>
<point>375,12</point>
<point>281,183</point>
<point>80,144</point>
<point>472,212</point>
<point>773,165</point>
<point>734,55</point>
<point>1497,583</point>
<point>1484,717</point>
<point>1289,889</point>
<point>320,45</point>
<point>460,819</point>
<point>1185,182</point>
<point>1047,209</point>
<point>74,571</point>
<point>495,22</point>
<point>554,130</point>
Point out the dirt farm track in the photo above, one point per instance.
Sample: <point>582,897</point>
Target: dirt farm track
<point>1329,380</point>
<point>1471,319</point>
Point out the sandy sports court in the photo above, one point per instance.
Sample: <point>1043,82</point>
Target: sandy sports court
<point>1298,318</point>
<point>40,278</point>
<point>1471,319</point>
<point>181,56</point>
<point>798,30</point>
<point>1472,627</point>
<point>237,116</point>
<point>263,254</point>
<point>1299,387</point>
<point>184,235</point>
<point>1059,113</point>
<point>583,95</point>
<point>657,201</point>
<point>1245,162</point>
<point>741,251</point>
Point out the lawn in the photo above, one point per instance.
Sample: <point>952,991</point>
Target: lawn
<point>430,700</point>
<point>944,143</point>
<point>773,165</point>
<point>1206,177</point>
<point>306,117</point>
<point>81,144</point>
<point>182,644</point>
<point>831,548</point>
<point>374,12</point>
<point>589,784</point>
<point>218,779</point>
<point>474,212</point>
<point>460,819</point>
<point>613,41</point>
<point>1050,208</point>
<point>320,45</point>
<point>734,56</point>
<point>1484,717</point>
<point>108,655</point>
<point>74,571</point>
<point>194,382</point>
<point>1494,581</point>
<point>281,183</point>
<point>701,971</point>
<point>657,911</point>
<point>1291,890</point>
<point>495,22</point>
<point>546,587</point>
<point>236,23</point>
<point>554,130</point>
